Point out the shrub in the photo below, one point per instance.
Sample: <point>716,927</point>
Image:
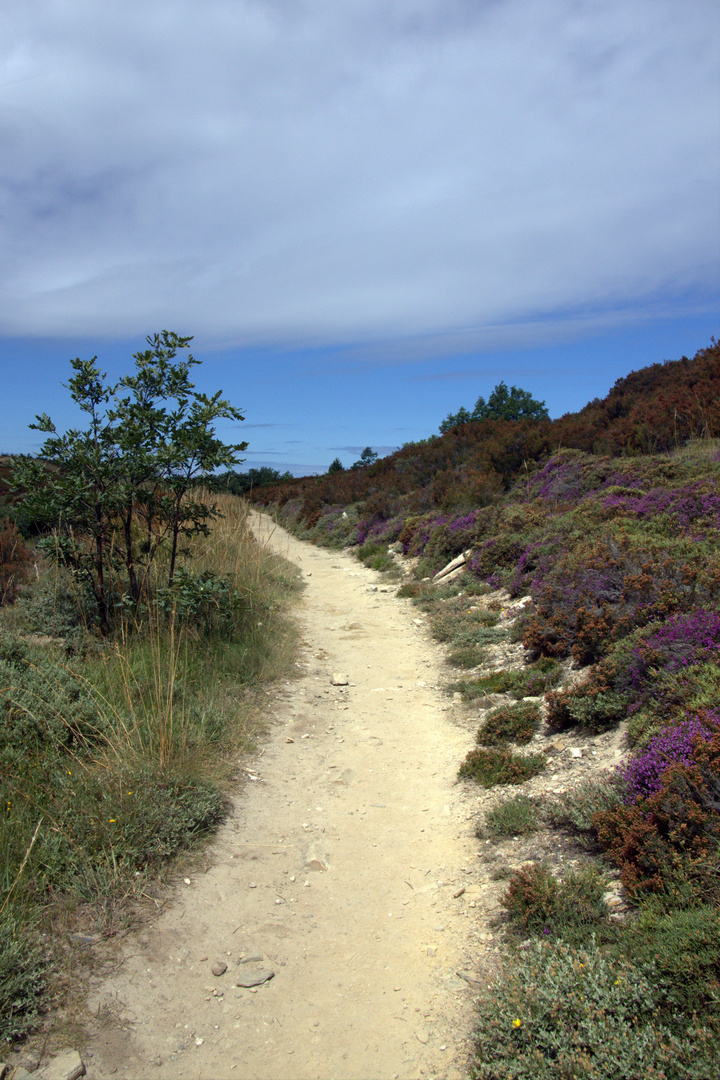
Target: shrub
<point>22,978</point>
<point>569,909</point>
<point>578,807</point>
<point>561,1013</point>
<point>529,681</point>
<point>512,817</point>
<point>649,677</point>
<point>671,837</point>
<point>643,775</point>
<point>510,723</point>
<point>489,766</point>
<point>598,590</point>
<point>681,947</point>
<point>467,656</point>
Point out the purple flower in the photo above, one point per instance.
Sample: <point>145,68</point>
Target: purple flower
<point>643,776</point>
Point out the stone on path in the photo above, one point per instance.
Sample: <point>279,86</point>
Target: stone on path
<point>339,679</point>
<point>255,978</point>
<point>64,1067</point>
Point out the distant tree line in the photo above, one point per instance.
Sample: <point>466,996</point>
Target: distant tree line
<point>238,483</point>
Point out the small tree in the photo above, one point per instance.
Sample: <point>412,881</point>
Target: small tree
<point>368,457</point>
<point>109,497</point>
<point>336,466</point>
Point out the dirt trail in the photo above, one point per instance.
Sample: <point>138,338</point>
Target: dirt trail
<point>339,869</point>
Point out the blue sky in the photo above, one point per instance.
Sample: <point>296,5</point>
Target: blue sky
<point>368,212</point>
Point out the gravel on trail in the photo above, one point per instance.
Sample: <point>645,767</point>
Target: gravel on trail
<point>340,928</point>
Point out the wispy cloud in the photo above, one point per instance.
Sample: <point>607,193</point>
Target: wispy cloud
<point>433,175</point>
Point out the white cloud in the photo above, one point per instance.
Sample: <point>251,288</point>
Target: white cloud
<point>312,171</point>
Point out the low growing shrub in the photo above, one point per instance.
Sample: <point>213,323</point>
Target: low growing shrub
<point>515,816</point>
<point>562,1013</point>
<point>671,835</point>
<point>22,979</point>
<point>529,681</point>
<point>578,807</point>
<point>570,909</point>
<point>489,766</point>
<point>510,723</point>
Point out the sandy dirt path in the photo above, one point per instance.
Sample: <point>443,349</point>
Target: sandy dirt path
<point>338,870</point>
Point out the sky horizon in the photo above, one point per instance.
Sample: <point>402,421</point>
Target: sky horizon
<point>367,214</point>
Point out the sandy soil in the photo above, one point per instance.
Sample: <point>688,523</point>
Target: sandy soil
<point>340,870</point>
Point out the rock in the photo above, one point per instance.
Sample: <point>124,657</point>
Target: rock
<point>21,1073</point>
<point>219,969</point>
<point>254,959</point>
<point>576,752</point>
<point>455,564</point>
<point>4,1069</point>
<point>315,859</point>
<point>255,978</point>
<point>422,1036</point>
<point>339,679</point>
<point>64,1067</point>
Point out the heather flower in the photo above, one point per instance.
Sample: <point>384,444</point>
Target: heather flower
<point>675,745</point>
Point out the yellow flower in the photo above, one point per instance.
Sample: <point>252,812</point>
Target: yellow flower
<point>516,1023</point>
<point>112,820</point>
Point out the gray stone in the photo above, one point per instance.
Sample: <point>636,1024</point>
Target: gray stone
<point>219,969</point>
<point>255,978</point>
<point>455,564</point>
<point>65,1067</point>
<point>254,959</point>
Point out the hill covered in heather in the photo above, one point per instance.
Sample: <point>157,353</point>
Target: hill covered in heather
<point>610,515</point>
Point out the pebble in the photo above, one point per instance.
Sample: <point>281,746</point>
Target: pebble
<point>219,969</point>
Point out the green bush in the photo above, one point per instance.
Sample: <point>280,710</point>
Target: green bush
<point>45,708</point>
<point>510,723</point>
<point>466,656</point>
<point>22,979</point>
<point>562,1013</point>
<point>514,817</point>
<point>570,909</point>
<point>577,808</point>
<point>529,681</point>
<point>680,946</point>
<point>489,766</point>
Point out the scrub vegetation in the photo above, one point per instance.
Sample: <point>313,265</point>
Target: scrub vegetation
<point>140,623</point>
<point>605,523</point>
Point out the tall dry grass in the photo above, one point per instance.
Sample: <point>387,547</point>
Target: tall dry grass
<point>114,759</point>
